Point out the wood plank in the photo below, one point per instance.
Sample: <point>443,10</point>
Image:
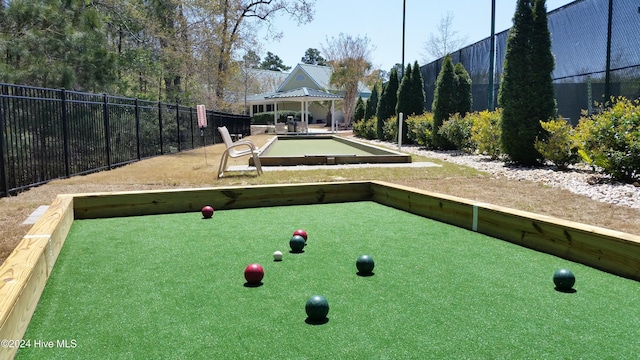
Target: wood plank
<point>448,209</point>
<point>24,274</point>
<point>611,251</point>
<point>378,150</point>
<point>22,279</point>
<point>327,159</point>
<point>186,200</point>
<point>354,152</point>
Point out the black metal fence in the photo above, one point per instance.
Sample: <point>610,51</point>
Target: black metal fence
<point>47,134</point>
<point>596,47</point>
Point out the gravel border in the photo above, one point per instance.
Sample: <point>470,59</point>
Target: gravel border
<point>579,179</point>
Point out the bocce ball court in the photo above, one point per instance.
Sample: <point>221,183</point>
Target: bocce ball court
<point>290,150</point>
<point>144,275</point>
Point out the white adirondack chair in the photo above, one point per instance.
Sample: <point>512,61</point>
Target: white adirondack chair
<point>236,149</point>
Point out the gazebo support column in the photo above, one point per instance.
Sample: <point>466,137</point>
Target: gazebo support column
<point>302,114</point>
<point>333,116</point>
<point>306,117</point>
<point>275,113</point>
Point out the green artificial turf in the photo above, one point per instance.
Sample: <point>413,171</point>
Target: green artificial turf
<point>172,286</point>
<point>306,146</point>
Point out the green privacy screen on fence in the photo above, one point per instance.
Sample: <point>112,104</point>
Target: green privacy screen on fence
<point>595,44</point>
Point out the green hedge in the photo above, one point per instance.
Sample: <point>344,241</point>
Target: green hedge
<point>457,131</point>
<point>608,140</point>
<point>366,129</point>
<point>420,129</point>
<point>611,139</point>
<point>486,130</point>
<point>560,146</point>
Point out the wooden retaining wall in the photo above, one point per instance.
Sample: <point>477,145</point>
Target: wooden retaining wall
<point>608,250</point>
<point>25,272</point>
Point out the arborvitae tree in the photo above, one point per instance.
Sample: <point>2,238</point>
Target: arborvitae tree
<point>372,104</point>
<point>463,90</point>
<point>379,121</point>
<point>520,87</point>
<point>444,101</point>
<point>542,64</point>
<point>404,100</point>
<point>417,91</point>
<point>389,97</point>
<point>359,111</point>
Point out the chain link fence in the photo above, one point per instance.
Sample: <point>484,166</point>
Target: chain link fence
<point>596,44</point>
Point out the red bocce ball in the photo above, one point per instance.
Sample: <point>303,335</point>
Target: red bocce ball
<point>301,233</point>
<point>207,212</point>
<point>254,273</point>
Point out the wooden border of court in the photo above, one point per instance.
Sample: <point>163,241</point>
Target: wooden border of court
<point>378,154</point>
<point>26,270</point>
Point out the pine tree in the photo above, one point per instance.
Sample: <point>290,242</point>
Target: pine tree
<point>55,44</point>
<point>463,90</point>
<point>273,62</point>
<point>372,104</point>
<point>444,101</point>
<point>312,56</point>
<point>359,111</point>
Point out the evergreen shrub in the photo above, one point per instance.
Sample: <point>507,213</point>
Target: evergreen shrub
<point>611,139</point>
<point>444,101</point>
<point>358,114</point>
<point>486,130</point>
<point>420,128</point>
<point>366,129</point>
<point>560,146</point>
<point>390,129</point>
<point>457,131</point>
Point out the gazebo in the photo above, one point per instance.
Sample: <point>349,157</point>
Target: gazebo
<point>304,96</point>
<point>306,85</point>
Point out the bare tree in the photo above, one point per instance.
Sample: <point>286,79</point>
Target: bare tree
<point>350,59</point>
<point>444,42</point>
<point>226,27</point>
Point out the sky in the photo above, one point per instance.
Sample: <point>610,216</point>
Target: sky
<point>381,22</point>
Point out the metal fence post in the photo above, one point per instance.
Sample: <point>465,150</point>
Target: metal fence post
<point>215,135</point>
<point>65,133</point>
<point>107,130</point>
<point>178,127</point>
<point>160,127</point>
<point>137,116</point>
<point>193,140</point>
<point>607,75</point>
<point>4,184</point>
<point>492,56</point>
